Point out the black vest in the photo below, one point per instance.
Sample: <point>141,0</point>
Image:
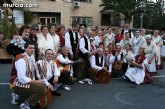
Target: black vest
<point>163,38</point>
<point>116,57</point>
<point>86,47</point>
<point>97,60</point>
<point>122,32</point>
<point>73,42</point>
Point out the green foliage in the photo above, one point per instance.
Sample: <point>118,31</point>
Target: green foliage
<point>6,25</point>
<point>13,29</point>
<point>130,8</point>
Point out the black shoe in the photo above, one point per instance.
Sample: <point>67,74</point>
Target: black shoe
<point>56,93</point>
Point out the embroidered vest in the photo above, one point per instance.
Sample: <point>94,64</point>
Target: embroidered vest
<point>29,73</point>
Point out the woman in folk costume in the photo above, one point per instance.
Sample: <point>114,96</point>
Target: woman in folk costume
<point>163,46</point>
<point>118,36</point>
<point>136,72</point>
<point>138,41</point>
<point>158,41</point>
<point>56,38</point>
<point>16,45</point>
<point>45,40</point>
<point>127,55</point>
<point>109,59</point>
<point>109,37</point>
<point>151,49</point>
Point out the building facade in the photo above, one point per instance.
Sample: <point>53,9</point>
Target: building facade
<point>61,12</point>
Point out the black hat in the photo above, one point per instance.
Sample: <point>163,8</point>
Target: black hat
<point>83,26</point>
<point>35,26</point>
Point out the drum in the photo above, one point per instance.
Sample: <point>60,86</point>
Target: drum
<point>103,77</point>
<point>46,100</point>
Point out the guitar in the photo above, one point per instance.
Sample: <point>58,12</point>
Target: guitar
<point>117,65</point>
<point>46,100</point>
<point>66,67</point>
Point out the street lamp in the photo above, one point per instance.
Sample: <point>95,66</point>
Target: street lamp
<point>141,20</point>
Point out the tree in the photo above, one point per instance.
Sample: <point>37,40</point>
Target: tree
<point>130,8</point>
<point>6,25</point>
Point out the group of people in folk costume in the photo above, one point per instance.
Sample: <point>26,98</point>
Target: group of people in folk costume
<point>50,57</point>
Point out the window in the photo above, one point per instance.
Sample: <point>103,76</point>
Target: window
<point>87,1</point>
<point>47,20</point>
<point>106,19</point>
<point>82,20</point>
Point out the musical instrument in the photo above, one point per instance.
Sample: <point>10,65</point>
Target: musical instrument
<point>66,67</point>
<point>103,77</point>
<point>46,100</point>
<point>117,65</point>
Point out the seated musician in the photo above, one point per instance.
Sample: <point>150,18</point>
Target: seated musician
<point>27,88</point>
<point>119,61</point>
<point>47,70</point>
<point>66,73</point>
<point>136,72</point>
<point>97,63</point>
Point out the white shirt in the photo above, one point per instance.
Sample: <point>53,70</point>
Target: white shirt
<point>127,30</point>
<point>109,38</point>
<point>56,40</point>
<point>44,44</point>
<point>20,66</point>
<point>68,41</point>
<point>158,40</point>
<point>49,73</point>
<point>82,45</point>
<point>92,61</point>
<point>65,61</point>
<point>97,40</point>
<point>123,42</point>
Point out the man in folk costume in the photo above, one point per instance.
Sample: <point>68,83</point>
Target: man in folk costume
<point>127,29</point>
<point>27,88</point>
<point>119,61</point>
<point>97,63</point>
<point>126,40</point>
<point>47,70</point>
<point>136,72</point>
<point>158,41</point>
<point>109,37</point>
<point>84,52</point>
<point>143,33</point>
<point>138,41</point>
<point>66,76</point>
<point>150,54</point>
<point>45,40</point>
<point>71,40</point>
<point>98,38</point>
